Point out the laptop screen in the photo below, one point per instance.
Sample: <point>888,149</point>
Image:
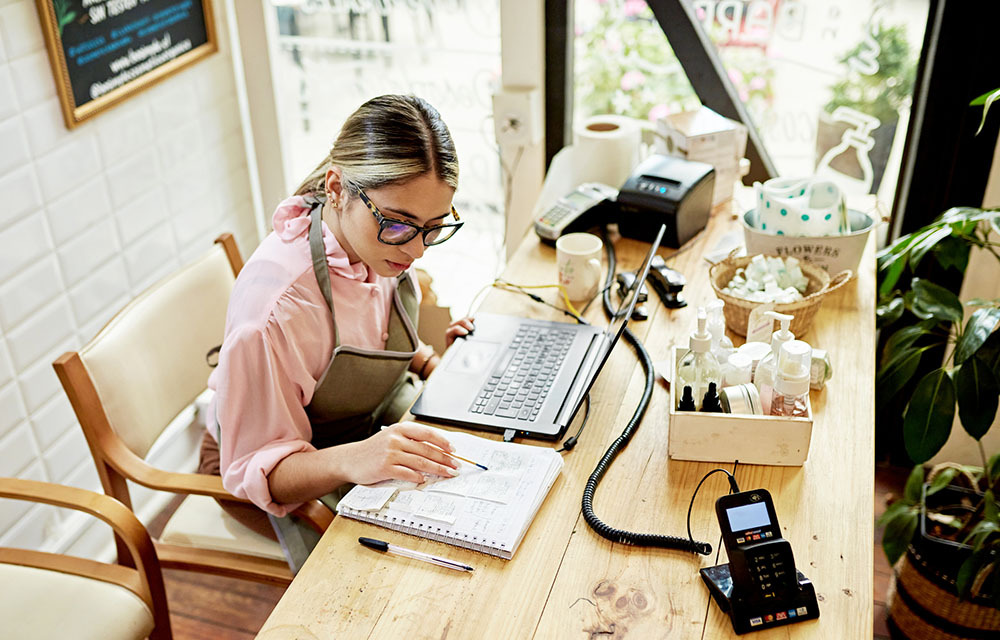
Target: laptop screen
<point>616,327</point>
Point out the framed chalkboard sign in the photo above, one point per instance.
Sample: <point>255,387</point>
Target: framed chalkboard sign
<point>104,51</point>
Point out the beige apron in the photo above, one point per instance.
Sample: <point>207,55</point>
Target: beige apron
<point>360,390</point>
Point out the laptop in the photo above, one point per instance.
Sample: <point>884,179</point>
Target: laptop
<point>529,376</point>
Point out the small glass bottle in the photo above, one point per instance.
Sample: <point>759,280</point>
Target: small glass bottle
<point>764,375</point>
<point>698,366</point>
<point>791,388</point>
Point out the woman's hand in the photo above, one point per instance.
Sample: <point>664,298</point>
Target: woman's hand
<point>457,329</point>
<point>403,451</point>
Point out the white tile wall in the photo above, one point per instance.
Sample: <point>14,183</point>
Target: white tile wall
<point>26,292</point>
<point>8,106</point>
<point>88,218</point>
<point>19,195</point>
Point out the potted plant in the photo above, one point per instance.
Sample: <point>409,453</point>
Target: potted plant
<point>944,532</point>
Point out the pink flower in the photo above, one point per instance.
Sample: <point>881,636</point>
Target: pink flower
<point>659,111</point>
<point>757,83</point>
<point>734,76</point>
<point>632,79</point>
<point>634,7</point>
<point>744,96</point>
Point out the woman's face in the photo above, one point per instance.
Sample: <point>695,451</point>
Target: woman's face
<point>425,201</point>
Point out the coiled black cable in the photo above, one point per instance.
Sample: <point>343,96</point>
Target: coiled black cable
<point>604,530</point>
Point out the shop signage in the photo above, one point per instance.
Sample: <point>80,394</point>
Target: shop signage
<point>104,51</point>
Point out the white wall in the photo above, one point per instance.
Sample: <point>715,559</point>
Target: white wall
<point>89,218</point>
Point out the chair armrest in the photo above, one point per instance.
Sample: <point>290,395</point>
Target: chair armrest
<point>105,508</point>
<point>314,512</point>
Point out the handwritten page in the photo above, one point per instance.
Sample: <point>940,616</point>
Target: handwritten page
<point>484,510</point>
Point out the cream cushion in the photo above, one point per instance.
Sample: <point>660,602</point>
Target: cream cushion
<point>148,363</point>
<point>38,603</point>
<point>201,522</point>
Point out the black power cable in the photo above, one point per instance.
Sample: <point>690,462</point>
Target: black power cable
<point>603,529</point>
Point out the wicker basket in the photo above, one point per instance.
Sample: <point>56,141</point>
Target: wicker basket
<point>737,310</point>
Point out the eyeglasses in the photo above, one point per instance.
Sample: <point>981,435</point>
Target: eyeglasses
<point>397,232</point>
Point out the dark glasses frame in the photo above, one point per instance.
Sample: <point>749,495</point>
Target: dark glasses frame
<point>385,223</point>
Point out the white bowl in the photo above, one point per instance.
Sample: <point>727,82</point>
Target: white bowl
<point>833,253</point>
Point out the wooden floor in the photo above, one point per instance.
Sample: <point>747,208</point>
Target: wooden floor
<point>209,608</point>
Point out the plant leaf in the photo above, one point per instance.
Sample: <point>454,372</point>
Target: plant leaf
<point>978,392</point>
<point>928,417</point>
<point>990,352</point>
<point>892,271</point>
<point>914,484</point>
<point>942,480</point>
<point>894,511</point>
<point>990,99</point>
<point>889,312</point>
<point>898,371</point>
<point>934,301</point>
<point>967,572</point>
<point>927,243</point>
<point>952,252</point>
<point>979,327</point>
<point>990,511</point>
<point>898,534</point>
<point>906,336</point>
<point>994,466</point>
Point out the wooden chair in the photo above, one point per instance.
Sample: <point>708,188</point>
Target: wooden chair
<point>49,595</point>
<point>132,379</point>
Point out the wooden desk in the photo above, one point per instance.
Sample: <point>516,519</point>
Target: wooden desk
<point>565,581</point>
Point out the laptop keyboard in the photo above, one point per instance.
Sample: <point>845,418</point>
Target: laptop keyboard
<point>519,383</point>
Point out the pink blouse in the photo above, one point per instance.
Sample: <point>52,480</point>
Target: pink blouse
<point>278,342</point>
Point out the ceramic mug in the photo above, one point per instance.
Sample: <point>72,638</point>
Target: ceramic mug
<point>578,258</point>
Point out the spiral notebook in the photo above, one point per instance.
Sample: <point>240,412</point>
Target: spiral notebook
<point>487,511</point>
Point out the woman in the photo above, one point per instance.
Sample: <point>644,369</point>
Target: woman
<point>320,330</point>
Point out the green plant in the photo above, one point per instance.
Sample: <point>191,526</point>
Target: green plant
<point>924,317</point>
<point>880,94</point>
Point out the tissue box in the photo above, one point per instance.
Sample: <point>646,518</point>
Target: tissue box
<point>726,437</point>
<point>705,136</point>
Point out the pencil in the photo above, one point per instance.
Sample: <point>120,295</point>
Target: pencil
<point>465,460</point>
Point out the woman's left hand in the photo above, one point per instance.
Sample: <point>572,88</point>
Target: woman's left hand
<point>457,329</point>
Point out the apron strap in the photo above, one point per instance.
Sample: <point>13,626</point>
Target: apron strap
<point>318,252</point>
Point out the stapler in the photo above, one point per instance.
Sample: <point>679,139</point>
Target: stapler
<point>626,280</point>
<point>667,283</point>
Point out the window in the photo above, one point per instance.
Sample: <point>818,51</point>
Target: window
<point>333,55</point>
<point>828,85</point>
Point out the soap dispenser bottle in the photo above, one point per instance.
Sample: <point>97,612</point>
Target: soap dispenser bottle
<point>764,375</point>
<point>722,346</point>
<point>791,385</point>
<point>698,367</point>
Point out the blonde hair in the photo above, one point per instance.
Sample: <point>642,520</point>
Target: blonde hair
<point>389,140</point>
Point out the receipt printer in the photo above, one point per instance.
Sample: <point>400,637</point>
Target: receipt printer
<point>666,190</point>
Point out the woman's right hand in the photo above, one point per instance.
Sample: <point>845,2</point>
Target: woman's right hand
<point>403,451</point>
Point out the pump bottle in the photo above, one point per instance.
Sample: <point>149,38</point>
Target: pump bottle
<point>791,385</point>
<point>722,346</point>
<point>698,367</point>
<point>764,375</point>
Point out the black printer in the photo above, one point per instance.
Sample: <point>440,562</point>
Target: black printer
<point>666,190</point>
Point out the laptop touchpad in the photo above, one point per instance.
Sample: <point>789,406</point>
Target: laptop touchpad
<point>473,357</point>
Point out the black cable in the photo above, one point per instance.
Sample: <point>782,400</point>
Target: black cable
<point>733,488</point>
<point>602,529</point>
<point>571,442</point>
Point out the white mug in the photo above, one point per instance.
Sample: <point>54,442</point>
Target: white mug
<point>578,257</point>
